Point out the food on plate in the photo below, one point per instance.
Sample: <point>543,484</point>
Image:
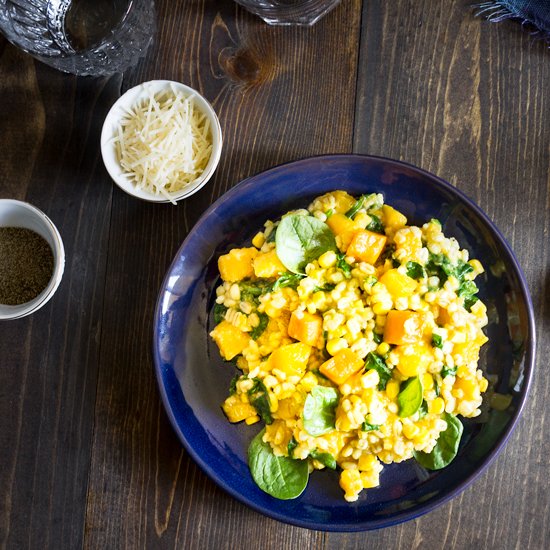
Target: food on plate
<point>357,338</point>
<point>164,142</point>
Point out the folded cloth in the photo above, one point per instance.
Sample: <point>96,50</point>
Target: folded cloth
<point>535,12</point>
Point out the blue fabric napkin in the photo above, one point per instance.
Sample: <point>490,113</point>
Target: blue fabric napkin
<point>535,12</point>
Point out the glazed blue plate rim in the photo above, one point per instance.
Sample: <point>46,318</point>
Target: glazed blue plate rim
<point>434,502</point>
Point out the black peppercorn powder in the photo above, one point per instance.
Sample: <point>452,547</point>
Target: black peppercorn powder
<point>26,265</point>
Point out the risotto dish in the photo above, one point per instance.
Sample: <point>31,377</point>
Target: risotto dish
<point>356,337</point>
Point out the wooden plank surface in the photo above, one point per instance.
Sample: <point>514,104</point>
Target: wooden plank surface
<point>470,101</point>
<point>88,456</point>
<point>276,92</point>
<point>50,126</point>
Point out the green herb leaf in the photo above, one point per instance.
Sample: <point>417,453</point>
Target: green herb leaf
<point>446,371</point>
<point>437,341</point>
<point>329,213</point>
<point>375,361</point>
<point>287,280</point>
<point>366,427</point>
<point>343,266</point>
<point>325,288</point>
<point>271,236</point>
<point>251,291</point>
<point>370,280</point>
<point>410,397</point>
<point>468,290</point>
<point>302,239</point>
<point>356,207</point>
<point>446,447</point>
<point>377,337</point>
<point>233,384</point>
<point>259,399</point>
<point>324,458</point>
<point>376,225</point>
<point>292,444</point>
<point>279,476</point>
<point>415,270</point>
<point>219,313</point>
<point>440,266</point>
<point>256,332</point>
<point>423,410</point>
<point>462,268</point>
<point>320,410</point>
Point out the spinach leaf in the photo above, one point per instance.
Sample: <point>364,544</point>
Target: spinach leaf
<point>259,399</point>
<point>446,371</point>
<point>462,268</point>
<point>376,225</point>
<point>301,239</point>
<point>446,447</point>
<point>219,313</point>
<point>410,397</point>
<point>256,332</point>
<point>342,265</point>
<point>324,458</point>
<point>287,279</point>
<point>320,410</point>
<point>279,476</point>
<point>271,236</point>
<point>375,361</point>
<point>357,206</point>
<point>366,427</point>
<point>415,270</point>
<point>437,341</point>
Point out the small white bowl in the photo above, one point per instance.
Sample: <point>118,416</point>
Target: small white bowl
<point>120,109</point>
<point>21,214</point>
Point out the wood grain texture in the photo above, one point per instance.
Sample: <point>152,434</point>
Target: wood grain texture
<point>270,89</point>
<point>470,102</point>
<point>49,157</point>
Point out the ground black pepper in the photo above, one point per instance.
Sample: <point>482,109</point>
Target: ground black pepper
<point>26,265</point>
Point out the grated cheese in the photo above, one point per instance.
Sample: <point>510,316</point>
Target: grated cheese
<point>164,143</point>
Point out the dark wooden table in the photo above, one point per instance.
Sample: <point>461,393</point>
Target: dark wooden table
<point>87,455</point>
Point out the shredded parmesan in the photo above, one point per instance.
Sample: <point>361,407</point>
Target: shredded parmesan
<point>164,143</point>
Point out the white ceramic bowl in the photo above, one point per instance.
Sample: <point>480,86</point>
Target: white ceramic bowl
<point>120,109</point>
<point>21,214</point>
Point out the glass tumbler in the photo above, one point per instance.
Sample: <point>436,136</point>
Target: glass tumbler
<point>289,12</point>
<point>82,37</point>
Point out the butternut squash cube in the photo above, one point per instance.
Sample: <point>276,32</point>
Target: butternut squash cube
<point>403,327</point>
<point>397,284</point>
<point>413,359</point>
<point>230,340</point>
<point>236,265</point>
<point>366,246</point>
<point>236,410</point>
<point>291,358</point>
<point>268,265</point>
<point>393,219</point>
<point>305,327</point>
<point>341,366</point>
<point>343,227</point>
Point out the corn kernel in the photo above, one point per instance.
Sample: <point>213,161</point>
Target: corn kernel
<point>383,348</point>
<point>328,259</point>
<point>252,420</point>
<point>258,240</point>
<point>336,345</point>
<point>366,462</point>
<point>392,389</point>
<point>483,385</point>
<point>427,381</point>
<point>437,406</point>
<point>410,431</point>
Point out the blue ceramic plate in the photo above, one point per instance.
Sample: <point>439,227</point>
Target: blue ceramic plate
<point>194,381</point>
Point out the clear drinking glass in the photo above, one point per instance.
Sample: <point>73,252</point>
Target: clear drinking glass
<point>83,37</point>
<point>289,12</point>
